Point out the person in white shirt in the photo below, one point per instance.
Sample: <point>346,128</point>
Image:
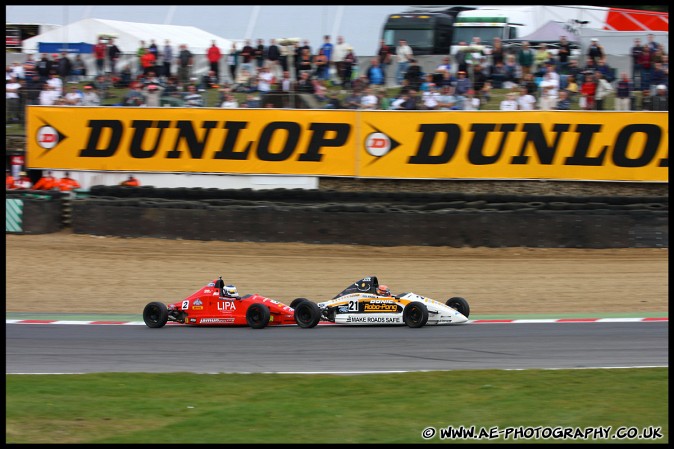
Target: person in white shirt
<point>369,100</point>
<point>431,98</point>
<point>90,98</point>
<point>526,101</point>
<point>12,100</point>
<point>446,99</point>
<point>49,95</point>
<point>549,89</point>
<point>403,56</point>
<point>230,102</point>
<point>55,82</point>
<point>339,52</point>
<point>470,101</point>
<point>509,104</point>
<point>74,97</point>
<point>264,80</point>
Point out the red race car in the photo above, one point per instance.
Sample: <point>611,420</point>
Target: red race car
<point>218,304</point>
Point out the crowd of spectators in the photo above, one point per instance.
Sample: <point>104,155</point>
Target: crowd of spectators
<point>533,78</point>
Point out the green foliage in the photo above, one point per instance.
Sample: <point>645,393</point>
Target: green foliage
<point>264,408</point>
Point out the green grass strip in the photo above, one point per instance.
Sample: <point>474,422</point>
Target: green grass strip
<point>373,408</point>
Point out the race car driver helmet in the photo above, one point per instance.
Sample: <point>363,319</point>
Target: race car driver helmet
<point>383,290</point>
<point>230,291</point>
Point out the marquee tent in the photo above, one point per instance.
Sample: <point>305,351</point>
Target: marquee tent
<point>128,35</point>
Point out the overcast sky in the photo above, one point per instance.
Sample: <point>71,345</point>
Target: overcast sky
<point>360,25</point>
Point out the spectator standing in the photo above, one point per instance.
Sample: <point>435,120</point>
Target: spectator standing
<point>100,53</point>
<point>525,58</point>
<point>233,62</point>
<point>12,100</point>
<point>47,182</point>
<point>587,92</point>
<point>29,66</point>
<point>185,61</point>
<point>65,67</point>
<point>338,54</point>
<point>497,54</point>
<point>214,56</point>
<point>660,101</point>
<point>142,49</point>
<point>322,65</point>
<point>413,75</point>
<point>90,97</point>
<point>273,58</point>
<point>32,89</point>
<point>404,57</point>
<point>327,48</point>
<point>247,54</point>
<point>67,184</point>
<point>595,51</point>
<point>645,66</point>
<point>167,59</point>
<point>463,84</point>
<point>152,48</point>
<point>385,56</point>
<point>348,64</point>
<point>148,62</point>
<point>79,69</point>
<point>604,89</point>
<point>623,93</point>
<point>114,54</point>
<point>509,103</point>
<point>563,53</point>
<point>540,57</point>
<point>635,52</point>
<point>305,62</point>
<point>260,53</point>
<point>43,67</point>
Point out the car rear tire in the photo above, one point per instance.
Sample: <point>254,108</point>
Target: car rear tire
<point>460,305</point>
<point>415,314</point>
<point>296,302</point>
<point>307,314</point>
<point>257,316</point>
<point>155,315</point>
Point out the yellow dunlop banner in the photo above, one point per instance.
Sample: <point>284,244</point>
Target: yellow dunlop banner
<point>563,145</point>
<point>203,140</point>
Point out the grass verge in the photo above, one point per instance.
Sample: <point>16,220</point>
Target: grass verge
<point>283,408</point>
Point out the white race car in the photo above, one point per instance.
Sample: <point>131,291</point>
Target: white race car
<point>369,303</point>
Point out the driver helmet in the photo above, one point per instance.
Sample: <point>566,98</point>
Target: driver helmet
<point>230,290</point>
<point>383,290</point>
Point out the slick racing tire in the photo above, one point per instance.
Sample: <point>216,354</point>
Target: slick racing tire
<point>155,315</point>
<point>307,314</point>
<point>296,302</point>
<point>415,314</point>
<point>460,305</point>
<point>257,316</point>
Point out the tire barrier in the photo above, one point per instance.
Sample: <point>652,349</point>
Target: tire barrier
<point>457,223</point>
<point>34,212</point>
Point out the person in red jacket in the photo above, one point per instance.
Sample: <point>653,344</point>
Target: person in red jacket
<point>214,55</point>
<point>24,182</point>
<point>9,180</point>
<point>67,183</point>
<point>47,182</point>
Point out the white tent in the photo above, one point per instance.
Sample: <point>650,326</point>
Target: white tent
<point>129,34</point>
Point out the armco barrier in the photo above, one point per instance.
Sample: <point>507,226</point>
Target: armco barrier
<point>472,224</point>
<point>33,212</point>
